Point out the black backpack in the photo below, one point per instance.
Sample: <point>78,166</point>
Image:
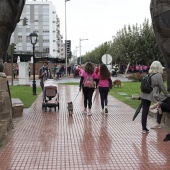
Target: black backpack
<point>146,84</point>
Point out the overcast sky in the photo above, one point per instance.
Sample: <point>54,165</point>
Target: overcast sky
<point>98,20</point>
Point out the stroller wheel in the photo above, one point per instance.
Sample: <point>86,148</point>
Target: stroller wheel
<point>58,106</point>
<point>55,109</point>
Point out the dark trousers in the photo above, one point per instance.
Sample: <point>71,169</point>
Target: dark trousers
<point>145,109</point>
<point>103,95</point>
<point>88,93</point>
<point>69,72</point>
<point>165,106</point>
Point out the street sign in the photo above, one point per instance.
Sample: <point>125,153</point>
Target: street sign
<point>106,58</point>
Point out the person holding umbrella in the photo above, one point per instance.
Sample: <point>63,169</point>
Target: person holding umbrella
<point>155,96</point>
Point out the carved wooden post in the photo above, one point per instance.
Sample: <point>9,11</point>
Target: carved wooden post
<point>160,14</point>
<point>9,16</point>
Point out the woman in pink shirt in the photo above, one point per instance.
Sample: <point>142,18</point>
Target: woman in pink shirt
<point>103,85</point>
<point>87,85</point>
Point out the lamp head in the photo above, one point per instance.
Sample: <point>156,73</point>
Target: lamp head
<point>33,37</point>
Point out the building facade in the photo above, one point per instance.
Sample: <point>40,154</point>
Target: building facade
<point>43,20</point>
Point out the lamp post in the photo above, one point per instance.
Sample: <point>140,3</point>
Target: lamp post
<point>33,37</point>
<point>75,57</point>
<point>80,47</point>
<point>66,37</point>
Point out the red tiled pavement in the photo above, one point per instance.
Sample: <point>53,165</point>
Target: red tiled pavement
<point>54,141</point>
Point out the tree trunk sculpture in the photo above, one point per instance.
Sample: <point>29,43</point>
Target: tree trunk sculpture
<point>160,14</point>
<point>10,12</point>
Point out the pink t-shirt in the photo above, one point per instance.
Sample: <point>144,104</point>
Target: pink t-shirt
<point>81,72</point>
<point>85,75</point>
<point>102,83</point>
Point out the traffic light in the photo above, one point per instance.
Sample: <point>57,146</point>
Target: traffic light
<point>68,50</point>
<point>11,49</point>
<point>25,20</point>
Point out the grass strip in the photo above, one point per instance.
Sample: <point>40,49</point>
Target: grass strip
<point>24,93</point>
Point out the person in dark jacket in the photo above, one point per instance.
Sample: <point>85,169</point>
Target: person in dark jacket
<point>44,73</point>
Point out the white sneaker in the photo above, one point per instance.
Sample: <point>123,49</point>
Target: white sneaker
<point>156,126</point>
<point>84,111</point>
<point>89,113</point>
<point>102,111</point>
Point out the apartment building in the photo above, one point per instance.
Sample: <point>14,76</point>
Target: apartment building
<point>43,20</point>
<point>60,42</point>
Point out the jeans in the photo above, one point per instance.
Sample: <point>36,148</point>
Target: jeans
<point>103,95</point>
<point>88,93</point>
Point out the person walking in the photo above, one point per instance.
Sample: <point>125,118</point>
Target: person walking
<point>69,70</point>
<point>62,70</point>
<point>44,73</point>
<point>88,77</point>
<point>156,70</point>
<point>54,69</point>
<point>104,78</point>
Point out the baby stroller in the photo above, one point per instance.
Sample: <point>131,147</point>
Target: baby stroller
<point>50,95</point>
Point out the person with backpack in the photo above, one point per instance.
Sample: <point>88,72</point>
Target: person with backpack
<point>155,96</point>
<point>88,77</point>
<point>104,78</point>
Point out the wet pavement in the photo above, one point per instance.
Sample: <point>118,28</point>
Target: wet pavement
<point>54,141</point>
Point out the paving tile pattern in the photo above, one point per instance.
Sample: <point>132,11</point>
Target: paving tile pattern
<point>54,141</point>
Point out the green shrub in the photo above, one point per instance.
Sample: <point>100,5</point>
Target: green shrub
<point>136,77</point>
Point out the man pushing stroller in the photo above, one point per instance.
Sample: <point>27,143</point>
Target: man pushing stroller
<point>44,73</point>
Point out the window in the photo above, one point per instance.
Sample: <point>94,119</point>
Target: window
<point>45,8</point>
<point>36,8</point>
<point>19,29</point>
<point>28,30</point>
<point>20,39</point>
<point>46,41</point>
<point>28,39</point>
<point>27,8</point>
<point>46,50</point>
<point>45,31</point>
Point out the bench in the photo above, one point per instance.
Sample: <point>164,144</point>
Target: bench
<point>17,107</point>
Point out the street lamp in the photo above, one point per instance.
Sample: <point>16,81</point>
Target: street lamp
<point>33,37</point>
<point>80,47</point>
<point>75,57</point>
<point>66,37</point>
